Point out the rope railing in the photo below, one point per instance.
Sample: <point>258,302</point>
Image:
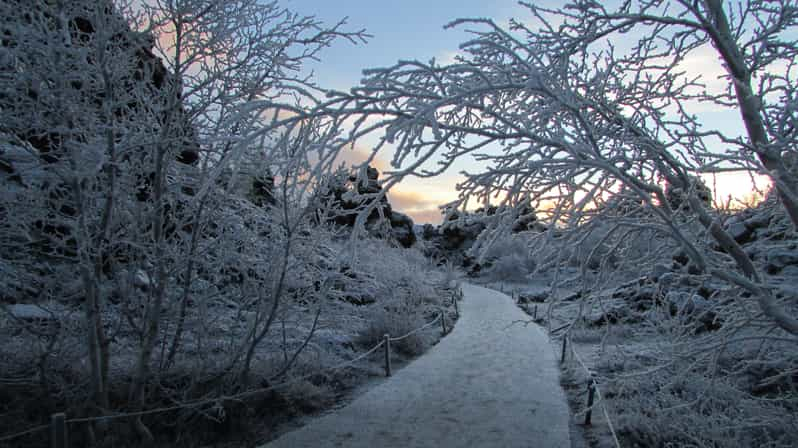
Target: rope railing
<point>61,442</point>
<point>593,388</point>
<point>424,327</point>
<point>24,433</point>
<point>196,403</point>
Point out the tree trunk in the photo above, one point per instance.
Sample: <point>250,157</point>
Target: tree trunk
<point>771,159</point>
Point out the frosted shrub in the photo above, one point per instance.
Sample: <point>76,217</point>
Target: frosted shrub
<point>669,409</point>
<point>395,323</point>
<point>307,396</point>
<point>395,272</point>
<point>511,267</point>
<point>509,259</point>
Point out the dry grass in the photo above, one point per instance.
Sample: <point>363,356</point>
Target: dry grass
<point>396,323</point>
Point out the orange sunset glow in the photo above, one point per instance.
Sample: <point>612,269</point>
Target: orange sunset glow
<point>420,198</point>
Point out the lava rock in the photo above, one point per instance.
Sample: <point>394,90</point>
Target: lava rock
<point>778,259</point>
<point>681,258</point>
<point>658,271</point>
<point>758,221</point>
<point>740,232</point>
<point>402,229</point>
<point>694,269</point>
<point>428,232</point>
<point>533,297</point>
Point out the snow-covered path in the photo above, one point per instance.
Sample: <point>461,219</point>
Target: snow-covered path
<point>490,383</point>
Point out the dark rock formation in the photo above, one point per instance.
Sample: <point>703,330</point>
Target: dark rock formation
<point>262,192</point>
<point>527,220</point>
<point>347,196</point>
<point>533,297</point>
<point>35,124</point>
<point>778,259</point>
<point>428,232</point>
<point>676,198</point>
<point>739,231</point>
<point>451,241</point>
<point>460,232</point>
<point>402,229</point>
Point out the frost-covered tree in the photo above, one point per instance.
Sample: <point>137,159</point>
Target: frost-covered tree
<point>240,86</point>
<point>592,112</point>
<point>72,82</point>
<point>132,139</point>
<point>594,100</point>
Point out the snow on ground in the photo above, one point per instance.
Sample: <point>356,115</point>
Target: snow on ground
<point>492,382</point>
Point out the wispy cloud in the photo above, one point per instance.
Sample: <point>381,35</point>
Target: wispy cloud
<point>428,216</point>
<point>448,57</point>
<point>421,199</point>
<point>410,200</point>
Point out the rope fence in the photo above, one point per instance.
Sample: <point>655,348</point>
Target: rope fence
<point>422,328</point>
<point>24,433</point>
<point>593,390</point>
<point>59,421</point>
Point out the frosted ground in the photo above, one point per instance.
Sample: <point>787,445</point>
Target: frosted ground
<point>679,355</point>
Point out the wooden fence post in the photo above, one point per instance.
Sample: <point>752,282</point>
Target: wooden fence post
<point>387,355</point>
<point>535,316</point>
<point>58,431</point>
<point>591,390</point>
<point>443,321</point>
<point>456,308</point>
<point>564,344</point>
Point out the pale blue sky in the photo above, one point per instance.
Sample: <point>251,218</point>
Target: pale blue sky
<point>409,29</point>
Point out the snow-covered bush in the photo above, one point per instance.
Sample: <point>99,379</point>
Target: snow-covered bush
<point>405,296</point>
<point>396,272</point>
<point>509,258</point>
<point>307,396</point>
<point>395,322</point>
<point>510,267</point>
<point>156,181</point>
<point>696,408</point>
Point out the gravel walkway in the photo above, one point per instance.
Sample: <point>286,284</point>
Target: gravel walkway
<point>490,383</point>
